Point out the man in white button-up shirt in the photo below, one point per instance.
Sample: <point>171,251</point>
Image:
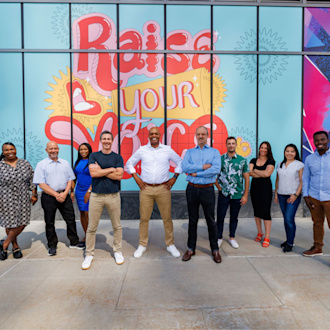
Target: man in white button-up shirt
<point>155,185</point>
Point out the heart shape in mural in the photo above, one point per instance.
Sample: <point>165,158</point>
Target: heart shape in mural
<point>80,103</point>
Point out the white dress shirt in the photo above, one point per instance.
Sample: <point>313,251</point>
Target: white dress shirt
<point>155,163</point>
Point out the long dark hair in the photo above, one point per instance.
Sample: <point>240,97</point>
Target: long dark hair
<point>2,156</point>
<point>79,156</point>
<point>296,157</point>
<point>269,150</point>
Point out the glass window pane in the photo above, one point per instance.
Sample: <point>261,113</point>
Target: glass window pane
<point>235,94</point>
<point>235,27</point>
<point>11,96</point>
<point>92,109</point>
<point>141,27</point>
<point>279,120</point>
<point>141,107</point>
<point>317,29</point>
<point>10,25</point>
<point>316,99</point>
<point>46,26</point>
<point>188,27</point>
<point>188,104</point>
<point>94,26</point>
<point>47,103</point>
<point>280,29</point>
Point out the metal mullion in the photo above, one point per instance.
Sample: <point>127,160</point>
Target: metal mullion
<point>257,83</point>
<point>200,3</point>
<point>135,51</point>
<point>302,82</point>
<point>23,81</point>
<point>211,78</point>
<point>118,78</point>
<point>71,96</point>
<point>165,74</point>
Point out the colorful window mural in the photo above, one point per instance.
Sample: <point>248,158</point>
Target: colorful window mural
<point>316,75</point>
<point>129,67</point>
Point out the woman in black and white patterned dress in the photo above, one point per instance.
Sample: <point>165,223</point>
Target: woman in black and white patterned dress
<point>15,202</point>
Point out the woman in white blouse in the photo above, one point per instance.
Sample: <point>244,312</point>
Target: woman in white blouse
<point>288,191</point>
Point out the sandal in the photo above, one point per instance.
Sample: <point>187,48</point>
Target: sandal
<point>17,253</point>
<point>265,243</point>
<point>258,238</point>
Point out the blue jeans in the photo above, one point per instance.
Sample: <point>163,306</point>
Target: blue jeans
<point>289,211</point>
<point>235,206</point>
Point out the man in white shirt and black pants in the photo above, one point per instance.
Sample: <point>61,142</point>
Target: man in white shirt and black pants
<point>155,185</point>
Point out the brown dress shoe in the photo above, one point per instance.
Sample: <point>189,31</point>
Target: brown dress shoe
<point>313,251</point>
<point>187,256</point>
<point>217,257</point>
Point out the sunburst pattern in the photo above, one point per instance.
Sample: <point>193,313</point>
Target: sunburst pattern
<point>270,66</point>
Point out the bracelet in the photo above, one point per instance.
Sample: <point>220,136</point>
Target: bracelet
<point>35,195</point>
<point>296,195</point>
<point>176,175</point>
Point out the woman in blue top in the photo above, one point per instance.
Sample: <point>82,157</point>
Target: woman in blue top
<point>83,183</point>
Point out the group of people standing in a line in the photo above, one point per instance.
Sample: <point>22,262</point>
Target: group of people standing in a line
<point>96,177</point>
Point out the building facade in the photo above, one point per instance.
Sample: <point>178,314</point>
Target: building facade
<point>258,70</point>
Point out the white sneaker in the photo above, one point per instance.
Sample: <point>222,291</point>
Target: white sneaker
<point>87,262</point>
<point>139,251</point>
<point>219,242</point>
<point>173,250</point>
<point>119,258</point>
<point>233,243</point>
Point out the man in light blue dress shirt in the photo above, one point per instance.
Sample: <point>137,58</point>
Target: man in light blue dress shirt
<point>202,164</point>
<point>54,176</point>
<point>316,189</point>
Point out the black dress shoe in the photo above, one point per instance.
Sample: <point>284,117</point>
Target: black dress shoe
<point>287,248</point>
<point>217,257</point>
<point>187,256</point>
<point>3,254</point>
<point>283,244</point>
<point>17,253</point>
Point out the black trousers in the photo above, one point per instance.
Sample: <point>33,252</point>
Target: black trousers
<point>50,205</point>
<point>235,206</point>
<point>206,198</point>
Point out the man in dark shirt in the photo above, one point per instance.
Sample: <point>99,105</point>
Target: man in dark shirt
<point>106,169</point>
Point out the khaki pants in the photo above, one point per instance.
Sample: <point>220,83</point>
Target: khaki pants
<point>321,210</point>
<point>162,197</point>
<point>96,206</point>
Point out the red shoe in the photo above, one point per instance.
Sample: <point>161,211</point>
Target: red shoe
<point>259,237</point>
<point>265,243</point>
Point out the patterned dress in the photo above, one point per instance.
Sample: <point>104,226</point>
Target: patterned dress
<point>15,183</point>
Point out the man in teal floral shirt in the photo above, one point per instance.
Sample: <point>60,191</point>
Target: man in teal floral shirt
<point>231,189</point>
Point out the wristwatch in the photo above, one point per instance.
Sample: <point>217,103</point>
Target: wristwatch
<point>175,175</point>
<point>89,191</point>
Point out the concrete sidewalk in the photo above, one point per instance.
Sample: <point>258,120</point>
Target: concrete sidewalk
<point>253,287</point>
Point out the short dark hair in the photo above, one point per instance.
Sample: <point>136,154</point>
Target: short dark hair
<point>106,132</point>
<point>321,132</point>
<point>231,138</point>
